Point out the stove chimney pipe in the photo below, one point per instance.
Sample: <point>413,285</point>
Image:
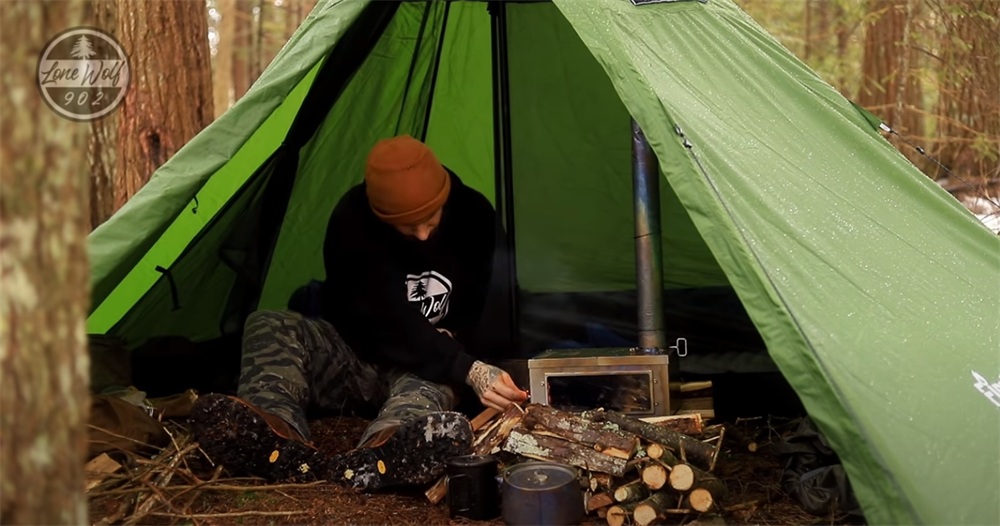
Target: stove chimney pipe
<point>648,245</point>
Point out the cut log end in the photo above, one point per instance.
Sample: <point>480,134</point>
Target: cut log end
<point>682,477</point>
<point>654,476</point>
<point>701,500</point>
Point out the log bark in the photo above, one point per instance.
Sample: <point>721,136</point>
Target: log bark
<point>607,439</point>
<point>44,280</point>
<point>689,424</point>
<point>598,501</point>
<point>655,476</point>
<point>544,447</point>
<point>632,491</point>
<point>651,509</point>
<point>694,450</point>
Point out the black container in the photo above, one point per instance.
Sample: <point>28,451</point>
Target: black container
<point>473,488</point>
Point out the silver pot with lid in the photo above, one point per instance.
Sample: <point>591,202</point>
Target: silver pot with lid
<point>542,494</point>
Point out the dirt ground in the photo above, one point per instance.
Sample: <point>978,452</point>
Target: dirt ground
<point>753,481</point>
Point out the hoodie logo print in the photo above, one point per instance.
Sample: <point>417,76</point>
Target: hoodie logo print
<point>432,291</point>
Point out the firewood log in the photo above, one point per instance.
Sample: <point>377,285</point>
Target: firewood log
<point>543,419</point>
<point>600,482</point>
<point>655,451</point>
<point>598,501</point>
<point>688,424</point>
<point>632,491</point>
<point>654,475</point>
<point>652,508</point>
<point>702,500</point>
<point>544,447</point>
<point>620,513</point>
<point>696,451</point>
<point>683,477</point>
<point>707,495</point>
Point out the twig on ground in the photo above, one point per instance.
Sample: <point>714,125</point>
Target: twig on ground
<point>123,437</point>
<point>718,447</point>
<point>230,514</point>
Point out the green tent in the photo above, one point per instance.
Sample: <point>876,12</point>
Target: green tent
<point>876,293</point>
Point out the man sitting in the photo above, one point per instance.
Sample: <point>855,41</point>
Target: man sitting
<point>408,257</point>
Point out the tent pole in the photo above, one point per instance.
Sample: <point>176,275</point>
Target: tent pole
<point>503,157</point>
<point>648,254</point>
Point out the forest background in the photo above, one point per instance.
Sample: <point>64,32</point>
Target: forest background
<point>929,68</point>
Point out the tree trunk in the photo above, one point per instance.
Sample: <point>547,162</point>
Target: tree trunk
<point>43,228</point>
<point>881,73</point>
<point>102,145</point>
<point>223,73</point>
<point>170,98</point>
<point>242,48</point>
<point>968,106</point>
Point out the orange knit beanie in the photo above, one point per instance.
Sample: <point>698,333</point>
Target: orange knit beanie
<point>404,181</point>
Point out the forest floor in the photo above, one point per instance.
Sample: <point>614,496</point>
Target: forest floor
<point>753,481</point>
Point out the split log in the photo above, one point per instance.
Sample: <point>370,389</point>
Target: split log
<point>694,450</point>
<point>598,501</point>
<point>654,476</point>
<point>600,482</point>
<point>632,491</point>
<point>543,419</point>
<point>690,424</point>
<point>493,433</point>
<point>620,514</point>
<point>651,509</point>
<point>683,477</point>
<point>544,447</point>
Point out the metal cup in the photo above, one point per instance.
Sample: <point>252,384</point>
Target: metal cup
<point>473,488</point>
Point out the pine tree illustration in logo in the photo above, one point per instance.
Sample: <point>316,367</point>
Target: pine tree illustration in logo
<point>83,49</point>
<point>419,291</point>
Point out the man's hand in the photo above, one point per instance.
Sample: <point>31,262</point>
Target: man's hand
<point>494,386</point>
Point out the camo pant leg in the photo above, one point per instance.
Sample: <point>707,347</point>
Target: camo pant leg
<point>409,397</point>
<point>290,362</point>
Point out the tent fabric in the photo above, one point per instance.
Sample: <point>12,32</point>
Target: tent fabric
<point>874,290</point>
<point>855,267</point>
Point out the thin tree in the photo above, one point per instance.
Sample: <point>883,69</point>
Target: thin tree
<point>44,399</point>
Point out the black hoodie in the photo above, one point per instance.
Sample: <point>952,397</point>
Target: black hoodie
<point>387,294</point>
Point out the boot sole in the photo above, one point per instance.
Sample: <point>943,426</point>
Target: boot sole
<point>234,435</point>
<point>414,455</point>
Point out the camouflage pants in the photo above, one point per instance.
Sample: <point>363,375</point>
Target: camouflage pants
<point>291,363</point>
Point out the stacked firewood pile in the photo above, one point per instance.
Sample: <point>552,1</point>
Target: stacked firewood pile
<point>633,471</point>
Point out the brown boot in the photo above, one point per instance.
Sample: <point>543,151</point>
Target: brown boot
<point>250,441</point>
<point>414,453</point>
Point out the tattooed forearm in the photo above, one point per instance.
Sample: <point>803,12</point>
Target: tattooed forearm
<point>481,376</point>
